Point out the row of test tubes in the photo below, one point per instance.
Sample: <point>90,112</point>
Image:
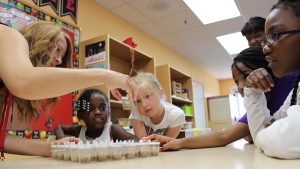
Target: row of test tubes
<point>101,151</point>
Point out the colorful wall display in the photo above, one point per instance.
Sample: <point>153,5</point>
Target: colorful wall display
<point>16,15</point>
<point>61,7</point>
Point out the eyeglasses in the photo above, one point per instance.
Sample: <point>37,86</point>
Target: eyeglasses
<point>270,39</point>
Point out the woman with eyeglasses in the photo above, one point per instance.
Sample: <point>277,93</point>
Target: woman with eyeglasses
<point>277,135</point>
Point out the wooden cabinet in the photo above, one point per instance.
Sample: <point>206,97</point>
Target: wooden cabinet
<point>167,75</point>
<point>106,52</point>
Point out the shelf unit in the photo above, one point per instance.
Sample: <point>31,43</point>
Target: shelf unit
<point>165,75</point>
<point>117,58</point>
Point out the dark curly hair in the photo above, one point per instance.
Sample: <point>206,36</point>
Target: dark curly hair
<point>255,24</point>
<point>253,58</point>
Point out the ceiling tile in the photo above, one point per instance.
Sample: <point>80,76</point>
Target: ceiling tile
<point>254,5</point>
<point>130,14</point>
<point>261,13</point>
<point>192,34</point>
<point>207,56</point>
<point>152,29</point>
<point>178,21</point>
<point>158,8</point>
<point>168,40</point>
<point>164,20</point>
<point>226,26</point>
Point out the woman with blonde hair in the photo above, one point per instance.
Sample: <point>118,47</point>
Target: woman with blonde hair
<point>24,80</point>
<point>49,46</point>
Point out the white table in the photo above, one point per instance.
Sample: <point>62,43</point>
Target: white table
<point>234,156</point>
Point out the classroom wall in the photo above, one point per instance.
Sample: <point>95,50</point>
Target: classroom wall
<point>95,20</point>
<point>225,86</point>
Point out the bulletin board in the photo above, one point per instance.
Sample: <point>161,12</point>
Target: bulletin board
<point>16,15</point>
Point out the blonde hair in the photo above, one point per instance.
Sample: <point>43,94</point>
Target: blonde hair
<point>41,38</point>
<point>149,78</point>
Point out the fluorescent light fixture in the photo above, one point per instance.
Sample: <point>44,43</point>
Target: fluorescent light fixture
<point>209,11</point>
<point>233,43</point>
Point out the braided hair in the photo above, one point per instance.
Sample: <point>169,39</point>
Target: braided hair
<point>84,99</point>
<point>253,58</point>
<point>294,5</point>
<point>295,89</point>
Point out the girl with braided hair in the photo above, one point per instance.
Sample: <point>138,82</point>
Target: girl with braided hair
<point>281,138</point>
<point>93,109</point>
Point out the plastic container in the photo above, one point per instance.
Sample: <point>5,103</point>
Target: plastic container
<point>127,105</point>
<point>144,149</point>
<point>130,151</point>
<point>85,154</point>
<point>60,152</point>
<point>188,125</point>
<point>54,149</point>
<point>197,131</point>
<point>94,154</point>
<point>187,110</point>
<point>67,152</point>
<point>155,147</point>
<point>103,152</point>
<point>116,151</point>
<point>74,150</point>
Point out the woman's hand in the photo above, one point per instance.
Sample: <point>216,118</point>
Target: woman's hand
<point>115,80</point>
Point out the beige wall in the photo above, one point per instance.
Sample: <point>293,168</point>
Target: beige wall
<point>225,86</point>
<point>95,20</point>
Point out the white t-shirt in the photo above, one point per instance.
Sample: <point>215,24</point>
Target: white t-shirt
<point>105,136</point>
<point>282,138</point>
<point>173,117</point>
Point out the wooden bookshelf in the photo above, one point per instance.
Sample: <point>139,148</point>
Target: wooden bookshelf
<point>165,75</point>
<point>117,58</point>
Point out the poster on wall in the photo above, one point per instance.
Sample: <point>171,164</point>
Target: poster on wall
<point>95,53</point>
<point>16,15</point>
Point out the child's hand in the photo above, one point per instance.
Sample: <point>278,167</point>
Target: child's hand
<point>67,139</point>
<point>260,79</point>
<point>159,138</point>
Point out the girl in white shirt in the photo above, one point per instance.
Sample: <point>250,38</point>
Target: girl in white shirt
<point>152,114</point>
<point>281,138</point>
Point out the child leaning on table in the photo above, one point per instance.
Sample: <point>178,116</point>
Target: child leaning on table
<point>152,114</point>
<point>93,109</point>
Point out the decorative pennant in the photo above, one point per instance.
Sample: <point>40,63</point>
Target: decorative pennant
<point>53,3</point>
<point>35,2</point>
<point>27,9</point>
<point>41,15</point>
<point>69,7</point>
<point>76,50</point>
<point>12,2</point>
<point>53,20</point>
